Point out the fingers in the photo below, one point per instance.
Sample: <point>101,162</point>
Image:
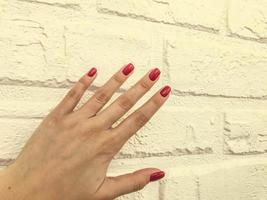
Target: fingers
<point>127,100</point>
<point>74,95</point>
<point>103,94</point>
<point>140,117</point>
<point>132,182</point>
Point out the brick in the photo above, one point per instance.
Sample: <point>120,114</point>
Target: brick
<point>248,18</point>
<point>235,182</point>
<point>180,187</point>
<point>13,135</point>
<point>71,4</point>
<point>28,52</point>
<point>21,49</point>
<point>245,132</point>
<point>37,101</point>
<point>176,132</point>
<point>109,50</point>
<point>28,102</point>
<point>209,66</point>
<point>150,192</point>
<point>32,44</point>
<point>56,8</point>
<point>186,13</point>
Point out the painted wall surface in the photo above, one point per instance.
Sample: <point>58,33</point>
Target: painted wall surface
<point>211,135</point>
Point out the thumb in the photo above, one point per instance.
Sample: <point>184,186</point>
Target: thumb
<point>128,183</point>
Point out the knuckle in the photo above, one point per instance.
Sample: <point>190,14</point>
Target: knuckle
<point>83,84</point>
<point>68,123</point>
<point>107,148</point>
<point>144,84</point>
<point>51,120</point>
<point>141,119</point>
<point>112,140</point>
<point>137,185</point>
<point>156,102</point>
<point>125,103</point>
<point>101,97</point>
<point>65,124</point>
<point>118,79</point>
<point>75,93</point>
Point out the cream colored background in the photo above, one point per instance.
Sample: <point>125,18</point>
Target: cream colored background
<point>210,137</point>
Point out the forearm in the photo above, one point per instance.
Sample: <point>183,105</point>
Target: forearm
<point>15,185</point>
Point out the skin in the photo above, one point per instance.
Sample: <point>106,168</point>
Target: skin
<point>68,155</point>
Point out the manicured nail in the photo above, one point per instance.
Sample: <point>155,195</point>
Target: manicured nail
<point>128,69</point>
<point>154,74</point>
<point>156,176</point>
<point>92,72</point>
<point>165,91</point>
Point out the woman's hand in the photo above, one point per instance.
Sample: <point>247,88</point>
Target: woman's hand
<point>68,155</point>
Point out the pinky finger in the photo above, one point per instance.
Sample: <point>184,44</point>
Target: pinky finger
<point>73,97</point>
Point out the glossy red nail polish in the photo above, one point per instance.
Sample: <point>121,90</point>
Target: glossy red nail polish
<point>156,176</point>
<point>165,91</point>
<point>92,72</point>
<point>128,69</point>
<point>154,74</point>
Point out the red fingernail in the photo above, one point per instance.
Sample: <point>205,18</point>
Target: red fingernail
<point>154,74</point>
<point>165,91</point>
<point>156,176</point>
<point>128,69</point>
<point>92,72</point>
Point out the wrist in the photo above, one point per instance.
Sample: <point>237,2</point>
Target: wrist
<point>6,191</point>
<point>15,185</point>
<point>11,186</point>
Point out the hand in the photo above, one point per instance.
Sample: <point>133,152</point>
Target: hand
<point>68,155</point>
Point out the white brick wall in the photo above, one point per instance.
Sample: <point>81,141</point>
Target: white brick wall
<point>210,137</point>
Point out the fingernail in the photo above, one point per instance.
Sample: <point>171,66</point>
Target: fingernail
<point>156,176</point>
<point>92,72</point>
<point>154,74</point>
<point>165,91</point>
<point>128,69</point>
